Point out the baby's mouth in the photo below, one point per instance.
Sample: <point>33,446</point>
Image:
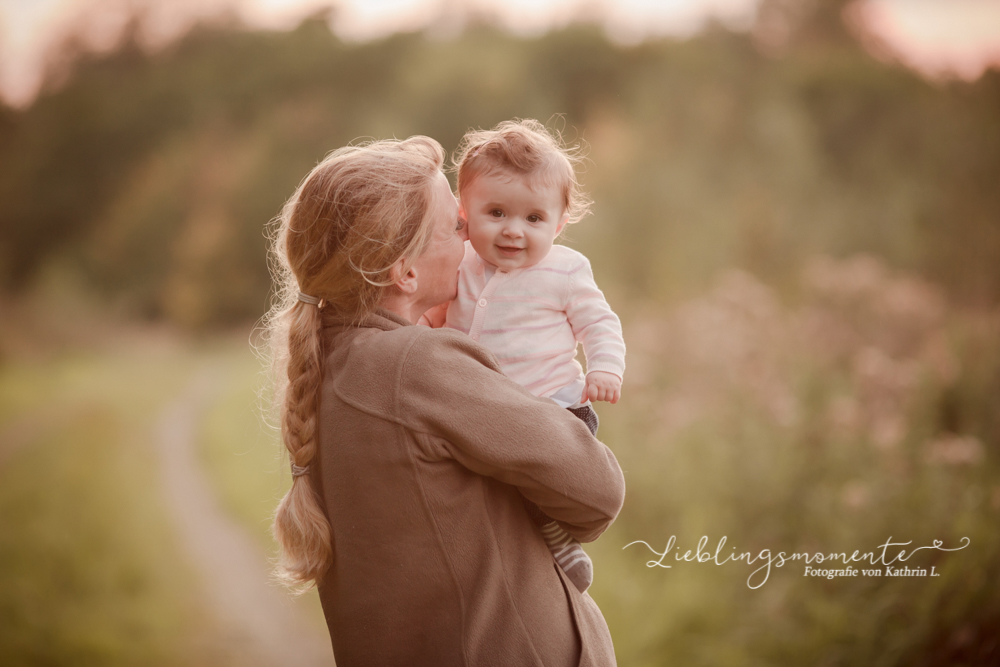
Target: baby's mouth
<point>509,251</point>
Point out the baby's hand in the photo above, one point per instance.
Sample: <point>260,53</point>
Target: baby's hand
<point>602,386</point>
<point>436,316</point>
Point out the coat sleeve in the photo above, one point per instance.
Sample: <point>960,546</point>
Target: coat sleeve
<point>452,388</point>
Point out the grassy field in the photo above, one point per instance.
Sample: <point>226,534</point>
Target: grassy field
<point>242,455</point>
<point>89,571</point>
<point>865,408</point>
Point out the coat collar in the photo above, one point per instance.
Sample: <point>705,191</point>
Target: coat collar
<point>380,318</point>
<point>385,320</point>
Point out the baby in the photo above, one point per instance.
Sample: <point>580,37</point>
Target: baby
<point>528,301</point>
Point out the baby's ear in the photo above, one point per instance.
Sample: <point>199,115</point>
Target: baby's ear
<point>562,223</point>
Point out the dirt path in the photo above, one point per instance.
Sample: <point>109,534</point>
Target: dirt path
<point>261,617</point>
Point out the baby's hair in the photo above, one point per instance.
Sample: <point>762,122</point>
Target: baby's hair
<point>523,146</point>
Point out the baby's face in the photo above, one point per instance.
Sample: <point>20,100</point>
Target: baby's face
<point>512,220</point>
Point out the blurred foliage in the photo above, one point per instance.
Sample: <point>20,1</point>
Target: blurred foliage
<point>151,176</point>
<point>780,400</point>
<point>867,407</point>
<point>868,410</point>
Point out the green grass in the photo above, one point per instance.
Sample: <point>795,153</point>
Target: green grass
<point>89,571</point>
<point>243,456</point>
<point>239,451</point>
<point>737,472</point>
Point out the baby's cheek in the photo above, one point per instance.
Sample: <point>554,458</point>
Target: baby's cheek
<point>479,238</point>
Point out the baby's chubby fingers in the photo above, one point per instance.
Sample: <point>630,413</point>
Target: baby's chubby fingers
<point>602,386</point>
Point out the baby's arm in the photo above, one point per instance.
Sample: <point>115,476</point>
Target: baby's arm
<point>599,329</point>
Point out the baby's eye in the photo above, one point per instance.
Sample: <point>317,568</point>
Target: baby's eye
<point>496,213</point>
<point>533,218</point>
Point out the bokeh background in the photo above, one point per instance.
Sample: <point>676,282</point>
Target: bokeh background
<point>797,217</point>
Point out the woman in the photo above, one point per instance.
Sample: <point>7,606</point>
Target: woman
<point>412,455</point>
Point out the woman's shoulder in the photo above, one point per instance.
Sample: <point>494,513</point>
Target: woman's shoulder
<point>391,353</point>
<point>377,371</point>
<point>442,350</point>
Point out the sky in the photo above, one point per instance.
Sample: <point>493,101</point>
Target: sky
<point>938,37</point>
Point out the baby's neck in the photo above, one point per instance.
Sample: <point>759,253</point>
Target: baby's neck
<point>493,268</point>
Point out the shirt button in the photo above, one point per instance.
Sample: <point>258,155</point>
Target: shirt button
<point>483,302</point>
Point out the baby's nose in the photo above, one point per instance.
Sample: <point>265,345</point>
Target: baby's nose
<point>513,231</point>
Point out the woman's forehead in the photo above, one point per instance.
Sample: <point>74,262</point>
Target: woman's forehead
<point>443,197</point>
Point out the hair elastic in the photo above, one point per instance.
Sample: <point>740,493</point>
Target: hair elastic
<point>312,300</point>
<point>298,471</point>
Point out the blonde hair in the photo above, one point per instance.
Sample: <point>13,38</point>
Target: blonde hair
<point>356,214</point>
<point>524,147</point>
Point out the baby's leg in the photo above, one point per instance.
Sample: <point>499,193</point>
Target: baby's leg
<point>571,557</point>
<point>587,415</point>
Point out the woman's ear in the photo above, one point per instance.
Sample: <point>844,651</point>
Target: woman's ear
<point>465,225</point>
<point>404,279</point>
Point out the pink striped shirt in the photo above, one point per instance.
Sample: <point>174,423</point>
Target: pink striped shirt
<point>533,318</point>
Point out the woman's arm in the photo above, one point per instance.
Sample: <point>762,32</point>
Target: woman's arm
<point>452,388</point>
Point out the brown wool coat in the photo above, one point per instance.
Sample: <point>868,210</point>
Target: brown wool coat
<point>426,450</point>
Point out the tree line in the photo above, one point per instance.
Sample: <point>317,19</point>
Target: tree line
<point>151,176</point>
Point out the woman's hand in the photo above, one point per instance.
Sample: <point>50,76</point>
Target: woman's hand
<point>602,386</point>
